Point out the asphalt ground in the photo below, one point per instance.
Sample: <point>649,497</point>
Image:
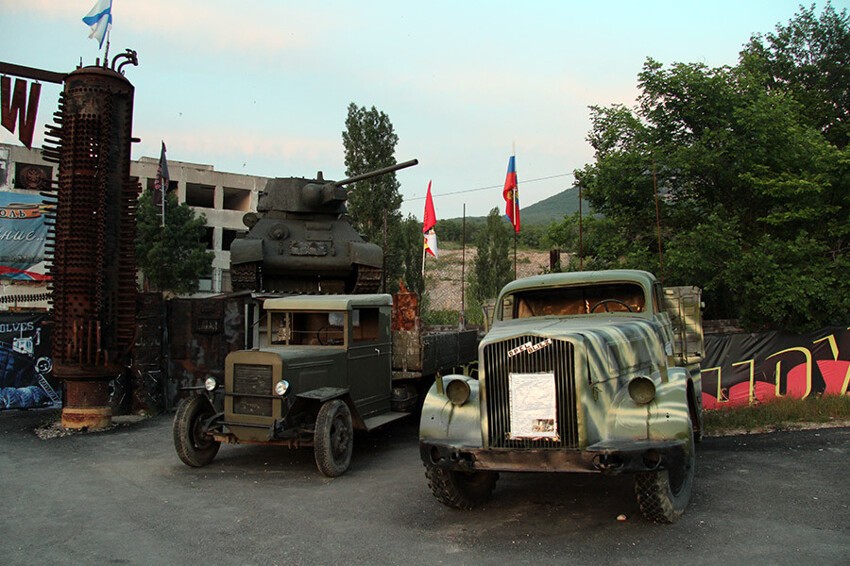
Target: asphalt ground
<point>121,496</point>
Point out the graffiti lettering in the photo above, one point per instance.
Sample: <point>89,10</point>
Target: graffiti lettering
<point>747,368</point>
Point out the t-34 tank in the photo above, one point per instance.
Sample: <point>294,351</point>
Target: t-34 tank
<point>300,241</point>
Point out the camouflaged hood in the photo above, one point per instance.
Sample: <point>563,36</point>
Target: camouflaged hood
<point>616,345</point>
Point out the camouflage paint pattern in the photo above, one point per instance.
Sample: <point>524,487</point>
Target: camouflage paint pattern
<point>609,350</point>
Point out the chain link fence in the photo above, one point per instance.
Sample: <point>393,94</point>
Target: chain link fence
<point>447,285</point>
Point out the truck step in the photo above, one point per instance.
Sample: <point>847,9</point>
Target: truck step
<point>380,420</point>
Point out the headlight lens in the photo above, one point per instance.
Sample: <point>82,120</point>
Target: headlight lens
<point>642,390</point>
<point>210,384</point>
<point>281,387</point>
<point>458,391</point>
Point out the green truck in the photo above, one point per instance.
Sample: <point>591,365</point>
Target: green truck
<point>580,372</point>
<point>322,367</point>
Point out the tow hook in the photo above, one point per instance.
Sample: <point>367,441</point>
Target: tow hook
<point>607,462</point>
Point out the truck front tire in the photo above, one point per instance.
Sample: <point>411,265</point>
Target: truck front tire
<point>333,439</point>
<point>662,496</point>
<point>461,490</point>
<point>194,447</point>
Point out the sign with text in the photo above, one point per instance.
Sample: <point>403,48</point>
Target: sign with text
<point>23,232</point>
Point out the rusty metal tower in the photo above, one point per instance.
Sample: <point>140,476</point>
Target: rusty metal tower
<point>93,261</point>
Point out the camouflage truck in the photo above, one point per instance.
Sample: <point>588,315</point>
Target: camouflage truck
<point>580,372</point>
<point>323,366</point>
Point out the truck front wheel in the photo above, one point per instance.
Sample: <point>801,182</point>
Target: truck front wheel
<point>333,439</point>
<point>193,445</point>
<point>662,496</point>
<point>461,490</point>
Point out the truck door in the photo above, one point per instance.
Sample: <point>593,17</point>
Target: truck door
<point>370,359</point>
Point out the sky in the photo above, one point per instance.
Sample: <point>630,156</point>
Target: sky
<point>262,87</point>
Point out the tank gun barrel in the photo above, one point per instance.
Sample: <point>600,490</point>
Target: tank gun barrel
<point>376,173</point>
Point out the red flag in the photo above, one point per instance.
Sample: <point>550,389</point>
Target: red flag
<point>511,194</point>
<point>428,224</point>
<point>430,216</point>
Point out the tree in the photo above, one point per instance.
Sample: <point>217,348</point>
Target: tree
<point>751,176</point>
<point>369,142</point>
<point>172,258</point>
<point>409,247</point>
<point>809,59</point>
<point>492,268</point>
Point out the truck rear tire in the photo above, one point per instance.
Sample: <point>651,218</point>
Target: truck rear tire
<point>461,490</point>
<point>333,439</point>
<point>193,446</point>
<point>662,496</point>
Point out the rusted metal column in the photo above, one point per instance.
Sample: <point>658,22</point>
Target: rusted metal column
<point>93,262</point>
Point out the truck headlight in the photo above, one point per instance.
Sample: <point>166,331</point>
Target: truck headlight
<point>281,387</point>
<point>210,384</point>
<point>642,390</point>
<point>458,391</point>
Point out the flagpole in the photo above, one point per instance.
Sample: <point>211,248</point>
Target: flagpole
<point>463,270</point>
<point>423,267</point>
<point>106,53</point>
<point>513,200</point>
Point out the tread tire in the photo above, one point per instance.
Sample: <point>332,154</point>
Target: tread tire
<point>461,490</point>
<point>193,446</point>
<point>333,438</point>
<point>662,500</point>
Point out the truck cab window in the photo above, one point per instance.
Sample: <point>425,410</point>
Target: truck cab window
<point>579,300</point>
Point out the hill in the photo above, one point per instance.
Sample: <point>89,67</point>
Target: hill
<point>543,213</point>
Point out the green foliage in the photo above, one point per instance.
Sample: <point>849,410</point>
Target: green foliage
<point>809,60</point>
<point>492,268</point>
<point>408,247</point>
<point>175,257</point>
<point>750,164</point>
<point>369,142</point>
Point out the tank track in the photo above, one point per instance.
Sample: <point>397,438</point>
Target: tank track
<point>368,280</point>
<point>244,277</point>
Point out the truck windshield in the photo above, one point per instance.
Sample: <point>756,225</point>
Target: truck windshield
<point>307,328</point>
<point>578,300</point>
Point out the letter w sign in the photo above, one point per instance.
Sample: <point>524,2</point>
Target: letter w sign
<point>14,106</point>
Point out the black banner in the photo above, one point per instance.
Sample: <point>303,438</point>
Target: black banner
<point>741,369</point>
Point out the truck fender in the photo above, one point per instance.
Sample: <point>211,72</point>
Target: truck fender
<point>443,421</point>
<point>664,418</point>
<point>317,397</point>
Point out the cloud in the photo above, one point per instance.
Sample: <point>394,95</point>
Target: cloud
<point>263,155</point>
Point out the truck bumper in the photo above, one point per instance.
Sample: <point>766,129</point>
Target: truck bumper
<point>633,456</point>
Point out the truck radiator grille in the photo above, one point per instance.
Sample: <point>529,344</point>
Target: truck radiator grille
<point>557,358</point>
<point>252,386</point>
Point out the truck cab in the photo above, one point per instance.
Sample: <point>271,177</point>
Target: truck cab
<point>580,372</point>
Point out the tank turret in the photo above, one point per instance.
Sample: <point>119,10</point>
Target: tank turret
<point>301,241</point>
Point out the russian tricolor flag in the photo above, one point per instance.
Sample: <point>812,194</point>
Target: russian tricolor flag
<point>511,194</point>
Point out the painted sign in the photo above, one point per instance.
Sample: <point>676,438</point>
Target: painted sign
<point>22,236</point>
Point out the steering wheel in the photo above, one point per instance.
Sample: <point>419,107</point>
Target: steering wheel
<point>323,330</point>
<point>328,339</point>
<point>604,302</point>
